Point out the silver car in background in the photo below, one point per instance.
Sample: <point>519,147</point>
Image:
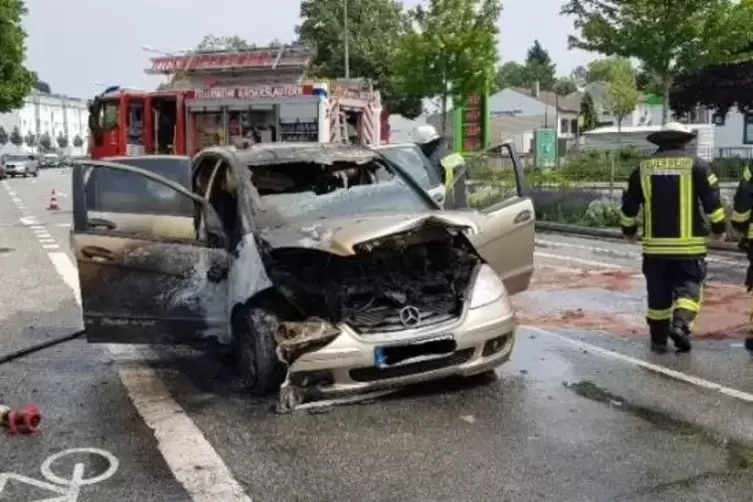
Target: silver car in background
<point>21,165</point>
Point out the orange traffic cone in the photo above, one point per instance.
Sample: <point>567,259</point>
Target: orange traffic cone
<point>53,202</point>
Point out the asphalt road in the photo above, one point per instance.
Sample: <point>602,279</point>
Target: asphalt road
<point>577,415</point>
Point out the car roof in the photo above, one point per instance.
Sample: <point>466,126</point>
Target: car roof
<point>121,158</point>
<point>318,153</point>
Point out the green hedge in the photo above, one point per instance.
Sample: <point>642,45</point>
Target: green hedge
<point>602,167</point>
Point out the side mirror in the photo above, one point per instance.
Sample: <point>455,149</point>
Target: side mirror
<point>214,231</point>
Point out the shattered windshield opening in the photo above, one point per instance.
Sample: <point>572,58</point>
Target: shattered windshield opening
<point>310,191</point>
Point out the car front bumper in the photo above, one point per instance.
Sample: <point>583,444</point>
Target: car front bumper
<point>483,340</point>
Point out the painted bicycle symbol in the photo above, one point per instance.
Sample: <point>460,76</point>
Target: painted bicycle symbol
<point>65,489</point>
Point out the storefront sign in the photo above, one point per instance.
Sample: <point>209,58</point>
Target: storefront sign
<point>222,61</point>
<point>471,121</point>
<point>249,93</point>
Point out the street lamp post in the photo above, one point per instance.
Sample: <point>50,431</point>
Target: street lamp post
<point>346,41</point>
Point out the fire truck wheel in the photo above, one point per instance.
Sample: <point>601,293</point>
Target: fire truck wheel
<point>257,360</point>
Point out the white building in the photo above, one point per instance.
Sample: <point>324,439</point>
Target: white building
<point>51,114</point>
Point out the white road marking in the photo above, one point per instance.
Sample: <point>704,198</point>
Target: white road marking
<point>46,241</point>
<point>189,455</point>
<point>636,255</point>
<point>63,225</point>
<point>601,264</point>
<point>112,467</point>
<point>44,234</point>
<point>191,458</point>
<point>634,361</point>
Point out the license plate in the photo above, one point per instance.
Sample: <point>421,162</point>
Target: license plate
<point>420,350</point>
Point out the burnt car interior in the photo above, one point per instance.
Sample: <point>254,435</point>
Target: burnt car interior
<point>430,267</point>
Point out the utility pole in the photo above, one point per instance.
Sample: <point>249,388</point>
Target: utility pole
<point>345,31</point>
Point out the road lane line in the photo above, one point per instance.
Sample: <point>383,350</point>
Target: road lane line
<point>593,263</point>
<point>616,253</point>
<point>195,464</point>
<point>655,368</point>
<point>189,455</point>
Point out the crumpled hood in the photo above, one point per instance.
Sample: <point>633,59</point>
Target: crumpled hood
<point>340,235</point>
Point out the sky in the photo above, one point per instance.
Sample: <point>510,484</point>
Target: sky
<point>79,45</point>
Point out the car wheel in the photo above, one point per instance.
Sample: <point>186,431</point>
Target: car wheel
<point>257,360</point>
<point>36,173</point>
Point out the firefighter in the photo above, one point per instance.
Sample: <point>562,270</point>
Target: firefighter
<point>741,221</point>
<point>445,161</point>
<point>669,185</point>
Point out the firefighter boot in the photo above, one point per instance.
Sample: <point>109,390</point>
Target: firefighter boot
<point>680,335</point>
<point>659,333</point>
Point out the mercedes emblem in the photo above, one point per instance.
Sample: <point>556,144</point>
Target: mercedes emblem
<point>410,316</point>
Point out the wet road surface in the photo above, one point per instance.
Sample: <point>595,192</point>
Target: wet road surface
<point>579,414</point>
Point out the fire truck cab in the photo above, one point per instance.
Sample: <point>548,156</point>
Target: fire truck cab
<point>224,98</point>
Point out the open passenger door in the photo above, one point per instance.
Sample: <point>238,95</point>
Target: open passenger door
<point>496,187</point>
<point>145,283</point>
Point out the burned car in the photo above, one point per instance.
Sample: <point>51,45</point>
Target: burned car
<point>326,268</point>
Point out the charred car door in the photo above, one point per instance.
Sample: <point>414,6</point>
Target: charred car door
<point>147,283</point>
<point>497,188</point>
<point>110,197</point>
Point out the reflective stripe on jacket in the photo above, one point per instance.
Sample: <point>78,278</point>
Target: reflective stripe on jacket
<point>669,186</point>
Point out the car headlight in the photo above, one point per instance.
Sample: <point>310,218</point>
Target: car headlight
<point>488,288</point>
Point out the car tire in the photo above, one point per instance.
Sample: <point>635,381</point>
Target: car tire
<point>258,364</point>
<point>36,174</point>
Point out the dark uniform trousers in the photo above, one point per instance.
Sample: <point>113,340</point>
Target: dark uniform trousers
<point>675,293</point>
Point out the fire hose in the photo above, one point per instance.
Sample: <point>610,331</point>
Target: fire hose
<point>17,354</point>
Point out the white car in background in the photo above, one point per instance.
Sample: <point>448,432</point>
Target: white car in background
<point>21,165</point>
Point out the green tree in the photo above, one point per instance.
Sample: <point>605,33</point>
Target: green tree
<point>451,50</point>
<point>374,29</point>
<point>3,136</point>
<point>511,74</point>
<point>45,141</point>
<point>588,118</point>
<point>219,43</point>
<point>647,82</point>
<point>16,138</point>
<point>580,75</point>
<point>62,140</point>
<point>622,94</point>
<point>540,68</point>
<point>78,142</point>
<point>15,79</point>
<point>602,70</point>
<point>565,85</point>
<point>668,38</point>
<point>30,139</point>
<point>40,85</point>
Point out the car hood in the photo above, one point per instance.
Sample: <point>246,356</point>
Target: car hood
<point>340,235</point>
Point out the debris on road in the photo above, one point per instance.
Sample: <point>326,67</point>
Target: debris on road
<point>24,420</point>
<point>614,301</point>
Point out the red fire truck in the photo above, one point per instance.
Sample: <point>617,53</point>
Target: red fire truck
<point>219,98</point>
